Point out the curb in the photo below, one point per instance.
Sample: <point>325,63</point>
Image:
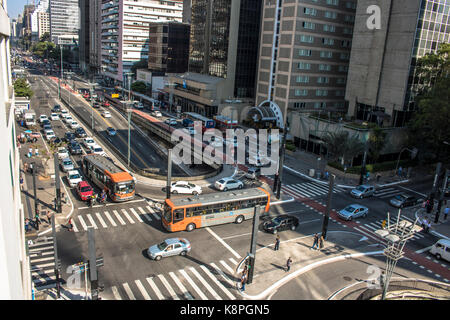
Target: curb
<point>437,234</point>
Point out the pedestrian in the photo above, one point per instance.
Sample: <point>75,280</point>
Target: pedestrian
<point>425,225</point>
<point>383,224</point>
<point>21,182</point>
<point>36,217</point>
<point>30,152</point>
<point>70,225</point>
<point>446,211</point>
<point>321,240</point>
<point>378,177</point>
<point>49,217</point>
<point>36,152</point>
<point>400,171</point>
<point>288,264</point>
<point>27,225</point>
<point>243,281</point>
<point>428,226</point>
<point>316,241</point>
<point>277,243</point>
<point>25,167</point>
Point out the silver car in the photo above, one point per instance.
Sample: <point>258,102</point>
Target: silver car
<point>169,247</point>
<point>362,191</point>
<point>67,165</point>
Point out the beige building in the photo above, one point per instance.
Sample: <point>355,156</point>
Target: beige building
<point>43,23</point>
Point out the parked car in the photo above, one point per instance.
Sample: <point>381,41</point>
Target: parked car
<point>47,127</point>
<point>64,113</point>
<point>171,122</point>
<point>74,177</point>
<point>281,223</point>
<point>362,191</point>
<point>75,148</point>
<point>441,249</point>
<point>226,184</point>
<point>62,153</point>
<point>88,142</point>
<point>156,113</point>
<point>353,211</point>
<point>49,134</point>
<point>169,247</point>
<point>69,136</point>
<point>54,117</point>
<point>111,131</point>
<point>74,125</point>
<point>56,108</point>
<point>96,105</point>
<point>253,173</point>
<point>68,119</point>
<point>46,122</point>
<point>184,187</point>
<point>67,165</point>
<point>106,114</point>
<point>42,117</point>
<point>404,200</point>
<point>56,141</point>
<point>84,190</point>
<point>80,133</point>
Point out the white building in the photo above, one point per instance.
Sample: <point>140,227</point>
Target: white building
<point>64,18</point>
<point>15,276</point>
<point>125,35</point>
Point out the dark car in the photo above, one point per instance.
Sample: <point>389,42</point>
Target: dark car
<point>56,141</point>
<point>46,122</point>
<point>96,105</point>
<point>56,108</point>
<point>404,200</point>
<point>111,131</point>
<point>69,136</point>
<point>75,148</point>
<point>281,223</point>
<point>80,133</point>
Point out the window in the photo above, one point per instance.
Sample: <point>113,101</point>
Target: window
<point>304,52</point>
<point>333,2</point>
<point>178,215</point>
<point>309,25</point>
<point>330,15</point>
<point>303,66</point>
<point>328,41</point>
<point>326,54</point>
<point>325,67</point>
<point>301,93</point>
<point>302,79</point>
<point>308,39</point>
<point>310,11</point>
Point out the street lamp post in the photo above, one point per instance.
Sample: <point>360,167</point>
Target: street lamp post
<point>397,235</point>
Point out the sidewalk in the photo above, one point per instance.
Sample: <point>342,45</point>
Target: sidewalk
<point>440,229</point>
<point>271,265</point>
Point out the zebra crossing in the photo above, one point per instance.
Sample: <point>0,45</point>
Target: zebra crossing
<point>115,218</point>
<point>386,193</point>
<point>206,282</point>
<point>42,263</point>
<point>371,227</point>
<point>309,189</point>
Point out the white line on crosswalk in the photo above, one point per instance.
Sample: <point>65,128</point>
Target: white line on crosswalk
<point>34,261</point>
<point>180,285</point>
<point>128,291</point>
<point>136,214</point>
<point>297,191</point>
<point>91,220</point>
<point>305,189</point>
<point>83,224</point>
<point>128,217</point>
<point>193,285</point>
<point>119,217</point>
<point>142,290</point>
<point>229,269</point>
<point>223,275</point>
<point>168,287</point>
<point>116,293</point>
<point>220,285</point>
<point>110,218</point>
<point>102,222</point>
<point>145,215</point>
<point>233,261</point>
<point>207,286</point>
<point>153,213</point>
<point>155,288</point>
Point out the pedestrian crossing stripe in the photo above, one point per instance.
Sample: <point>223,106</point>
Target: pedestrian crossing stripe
<point>136,214</point>
<point>155,288</point>
<point>142,290</point>
<point>42,263</point>
<point>128,217</point>
<point>80,218</point>
<point>119,217</point>
<point>193,285</point>
<point>116,293</point>
<point>91,220</point>
<point>102,222</point>
<point>128,291</point>
<point>177,281</point>
<point>110,219</point>
<point>172,293</point>
<point>205,284</point>
<point>220,285</point>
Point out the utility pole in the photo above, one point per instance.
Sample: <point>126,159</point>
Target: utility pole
<point>363,168</point>
<point>169,173</point>
<point>93,277</point>
<point>91,92</point>
<point>252,259</point>
<point>57,185</point>
<point>441,198</point>
<point>326,217</point>
<point>129,131</point>
<point>278,177</point>
<point>36,211</point>
<point>436,179</point>
<point>57,263</point>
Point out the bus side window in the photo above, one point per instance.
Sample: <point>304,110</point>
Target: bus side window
<point>178,215</point>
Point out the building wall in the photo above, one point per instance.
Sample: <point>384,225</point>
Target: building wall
<point>15,276</point>
<point>64,18</point>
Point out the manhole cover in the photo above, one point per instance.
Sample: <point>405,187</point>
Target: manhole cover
<point>347,278</point>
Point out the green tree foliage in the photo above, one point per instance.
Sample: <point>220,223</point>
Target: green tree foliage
<point>429,127</point>
<point>22,88</point>
<point>341,145</point>
<point>45,37</point>
<point>377,141</point>
<point>139,86</point>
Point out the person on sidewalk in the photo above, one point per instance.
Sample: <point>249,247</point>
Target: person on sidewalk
<point>27,225</point>
<point>425,225</point>
<point>36,152</point>
<point>30,152</point>
<point>288,264</point>
<point>49,217</point>
<point>70,225</point>
<point>243,281</point>
<point>378,177</point>
<point>277,243</point>
<point>321,240</point>
<point>25,167</point>
<point>316,242</point>
<point>21,183</point>
<point>446,211</point>
<point>36,217</point>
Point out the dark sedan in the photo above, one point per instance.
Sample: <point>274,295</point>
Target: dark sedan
<point>80,133</point>
<point>281,223</point>
<point>404,200</point>
<point>69,136</point>
<point>75,148</point>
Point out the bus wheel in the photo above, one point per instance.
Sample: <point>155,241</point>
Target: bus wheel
<point>239,219</point>
<point>190,227</point>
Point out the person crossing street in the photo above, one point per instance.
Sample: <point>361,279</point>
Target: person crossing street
<point>277,243</point>
<point>316,241</point>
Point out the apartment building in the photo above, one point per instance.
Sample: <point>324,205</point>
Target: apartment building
<point>381,78</point>
<point>40,19</point>
<point>304,54</point>
<point>124,32</point>
<point>15,272</point>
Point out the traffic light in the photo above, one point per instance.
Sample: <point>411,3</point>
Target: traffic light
<point>99,262</point>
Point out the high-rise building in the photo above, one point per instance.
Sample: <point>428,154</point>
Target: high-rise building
<point>43,23</point>
<point>40,19</point>
<point>64,20</point>
<point>124,32</point>
<point>83,35</point>
<point>187,11</point>
<point>304,54</point>
<point>381,78</point>
<point>15,271</point>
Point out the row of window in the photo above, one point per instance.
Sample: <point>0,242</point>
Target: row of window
<point>319,105</point>
<point>322,67</point>
<point>319,93</point>
<point>305,79</point>
<point>328,14</point>
<point>324,54</point>
<point>223,207</point>
<point>326,41</point>
<point>326,27</point>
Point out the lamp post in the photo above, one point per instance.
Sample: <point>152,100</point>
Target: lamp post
<point>413,155</point>
<point>397,235</point>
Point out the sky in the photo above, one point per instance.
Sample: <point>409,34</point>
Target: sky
<point>15,7</point>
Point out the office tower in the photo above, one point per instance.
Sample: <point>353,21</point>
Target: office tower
<point>64,21</point>
<point>40,19</point>
<point>381,78</point>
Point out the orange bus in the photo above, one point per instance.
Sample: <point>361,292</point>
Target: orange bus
<point>214,208</point>
<point>118,183</point>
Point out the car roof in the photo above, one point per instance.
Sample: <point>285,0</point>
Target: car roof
<point>66,159</point>
<point>175,240</point>
<point>73,172</point>
<point>84,184</point>
<point>445,242</point>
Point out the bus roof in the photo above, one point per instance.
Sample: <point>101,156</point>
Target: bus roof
<point>197,116</point>
<point>117,173</point>
<point>220,197</point>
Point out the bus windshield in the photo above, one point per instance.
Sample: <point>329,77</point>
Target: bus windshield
<point>124,187</point>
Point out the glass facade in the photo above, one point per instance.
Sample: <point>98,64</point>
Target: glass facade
<point>220,30</point>
<point>198,41</point>
<point>64,17</point>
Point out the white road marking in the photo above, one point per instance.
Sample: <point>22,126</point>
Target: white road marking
<point>155,288</point>
<point>83,224</point>
<point>207,286</point>
<point>145,215</point>
<point>166,284</point>
<point>233,261</point>
<point>128,291</point>
<point>128,217</point>
<point>119,217</point>
<point>153,213</point>
<point>136,214</point>
<point>75,229</point>
<point>102,222</point>
<point>193,285</point>
<point>110,218</point>
<point>220,285</point>
<point>180,285</point>
<point>223,243</point>
<point>142,290</point>
<point>116,293</point>
<point>229,269</point>
<point>92,221</point>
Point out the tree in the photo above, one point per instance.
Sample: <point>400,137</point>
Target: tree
<point>45,37</point>
<point>341,145</point>
<point>22,88</point>
<point>139,86</point>
<point>377,141</point>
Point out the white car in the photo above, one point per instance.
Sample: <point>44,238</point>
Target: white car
<point>74,125</point>
<point>96,149</point>
<point>64,113</point>
<point>73,176</point>
<point>156,113</point>
<point>106,114</point>
<point>190,130</point>
<point>68,119</point>
<point>226,184</point>
<point>54,116</point>
<point>42,118</point>
<point>139,105</point>
<point>49,134</point>
<point>62,153</point>
<point>88,142</point>
<point>184,187</point>
<point>171,122</point>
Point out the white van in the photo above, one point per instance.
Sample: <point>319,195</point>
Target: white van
<point>441,249</point>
